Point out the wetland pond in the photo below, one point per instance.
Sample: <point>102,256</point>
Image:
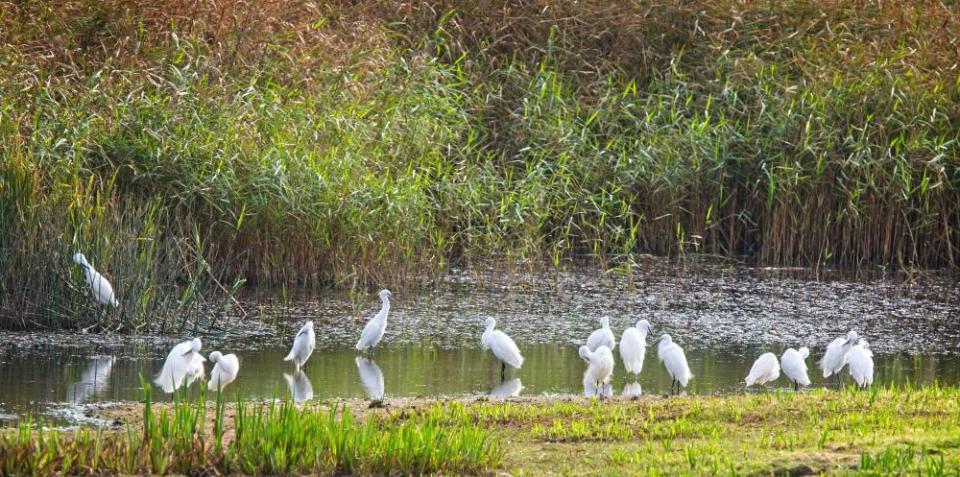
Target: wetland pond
<point>724,316</point>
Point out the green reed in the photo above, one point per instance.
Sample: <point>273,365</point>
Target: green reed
<point>189,155</point>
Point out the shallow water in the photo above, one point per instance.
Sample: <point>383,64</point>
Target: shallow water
<point>723,316</point>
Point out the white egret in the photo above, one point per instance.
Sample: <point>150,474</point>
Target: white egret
<point>633,346</point>
<point>303,344</point>
<point>502,347</point>
<point>371,377</point>
<point>99,286</point>
<point>860,363</point>
<point>765,369</point>
<point>631,389</point>
<point>184,361</point>
<point>225,369</point>
<point>832,361</point>
<point>300,387</point>
<point>94,380</point>
<point>671,354</point>
<point>377,326</point>
<point>602,336</point>
<point>508,388</point>
<point>794,364</point>
<point>600,369</point>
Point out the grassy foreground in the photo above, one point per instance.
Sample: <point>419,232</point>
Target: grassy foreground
<point>188,147</point>
<point>878,432</point>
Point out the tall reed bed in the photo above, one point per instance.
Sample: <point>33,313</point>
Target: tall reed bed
<point>267,439</point>
<point>377,143</point>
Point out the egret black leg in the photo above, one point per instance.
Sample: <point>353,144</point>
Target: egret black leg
<point>796,386</point>
<point>503,371</point>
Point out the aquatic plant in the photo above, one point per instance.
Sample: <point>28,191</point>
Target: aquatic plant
<point>364,144</point>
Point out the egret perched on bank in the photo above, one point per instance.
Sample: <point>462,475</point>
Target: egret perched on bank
<point>377,326</point>
<point>860,363</point>
<point>671,354</point>
<point>602,336</point>
<point>502,347</point>
<point>371,377</point>
<point>633,346</point>
<point>600,369</point>
<point>101,288</point>
<point>794,364</point>
<point>183,362</point>
<point>765,369</point>
<point>225,369</point>
<point>832,361</point>
<point>303,344</point>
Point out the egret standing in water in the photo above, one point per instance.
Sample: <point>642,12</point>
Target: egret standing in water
<point>633,346</point>
<point>671,354</point>
<point>794,364</point>
<point>303,345</point>
<point>600,370</point>
<point>377,326</point>
<point>602,336</point>
<point>101,288</point>
<point>860,363</point>
<point>184,361</point>
<point>765,369</point>
<point>225,369</point>
<point>832,361</point>
<point>502,347</point>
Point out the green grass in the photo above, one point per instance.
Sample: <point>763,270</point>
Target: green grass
<point>377,144</point>
<point>278,438</point>
<point>882,431</point>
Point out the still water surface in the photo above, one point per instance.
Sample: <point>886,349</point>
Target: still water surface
<point>724,318</point>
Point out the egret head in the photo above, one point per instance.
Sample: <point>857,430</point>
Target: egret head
<point>309,324</point>
<point>585,353</point>
<point>79,259</point>
<point>215,356</point>
<point>490,322</point>
<point>195,345</point>
<point>385,295</point>
<point>664,340</point>
<point>852,337</point>
<point>804,352</point>
<point>605,321</point>
<point>644,326</point>
<point>863,343</point>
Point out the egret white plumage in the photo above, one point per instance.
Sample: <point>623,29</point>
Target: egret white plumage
<point>633,346</point>
<point>371,377</point>
<point>860,363</point>
<point>502,347</point>
<point>377,326</point>
<point>508,388</point>
<point>794,364</point>
<point>832,361</point>
<point>600,369</point>
<point>765,369</point>
<point>602,336</point>
<point>673,358</point>
<point>300,387</point>
<point>99,286</point>
<point>225,369</point>
<point>183,362</point>
<point>303,345</point>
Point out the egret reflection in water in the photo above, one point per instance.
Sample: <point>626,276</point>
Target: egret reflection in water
<point>632,390</point>
<point>94,380</point>
<point>371,377</point>
<point>509,388</point>
<point>300,387</point>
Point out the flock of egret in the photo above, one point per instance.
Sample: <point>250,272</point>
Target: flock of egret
<point>185,364</point>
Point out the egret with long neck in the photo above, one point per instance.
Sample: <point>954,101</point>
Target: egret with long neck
<point>99,286</point>
<point>377,326</point>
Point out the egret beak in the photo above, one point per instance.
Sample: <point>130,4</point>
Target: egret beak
<point>187,353</point>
